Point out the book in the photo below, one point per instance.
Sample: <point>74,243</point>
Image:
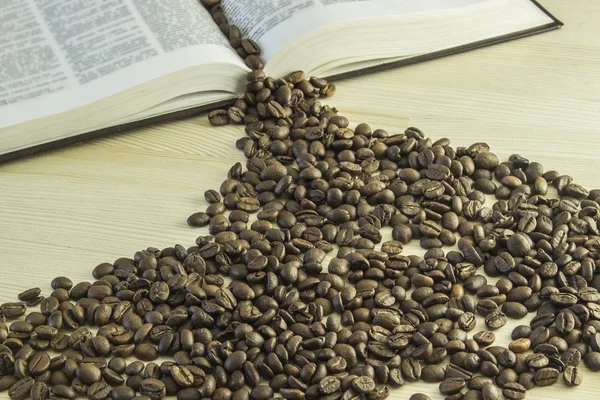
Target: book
<point>72,70</point>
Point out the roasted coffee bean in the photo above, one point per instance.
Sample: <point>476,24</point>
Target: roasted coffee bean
<point>432,373</point>
<point>39,391</point>
<point>484,338</point>
<point>146,352</point>
<point>21,389</point>
<point>198,219</point>
<point>489,391</point>
<point>29,294</point>
<point>572,376</point>
<point>153,388</point>
<point>39,363</point>
<point>520,345</point>
<point>218,117</point>
<point>514,391</point>
<point>12,310</point>
<point>99,390</point>
<point>89,373</point>
<point>495,320</point>
<point>123,392</point>
<point>451,386</point>
<point>514,309</point>
<point>592,360</point>
<point>467,321</point>
<point>546,376</point>
<point>363,384</point>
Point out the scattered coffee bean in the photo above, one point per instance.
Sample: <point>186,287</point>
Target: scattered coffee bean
<point>316,182</point>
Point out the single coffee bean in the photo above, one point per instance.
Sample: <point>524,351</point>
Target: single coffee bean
<point>61,282</point>
<point>363,384</point>
<point>218,117</point>
<point>198,219</point>
<point>572,376</point>
<point>489,391</point>
<point>451,386</point>
<point>153,388</point>
<point>432,373</point>
<point>146,352</point>
<point>419,396</point>
<point>21,389</point>
<point>520,345</point>
<point>546,376</point>
<point>39,391</point>
<point>495,320</point>
<point>484,338</point>
<point>29,294</point>
<point>329,385</point>
<point>99,390</point>
<point>592,360</point>
<point>514,391</point>
<point>261,392</point>
<point>514,309</point>
<point>63,391</point>
<point>123,392</point>
<point>89,373</point>
<point>12,310</point>
<point>39,363</point>
<point>467,321</point>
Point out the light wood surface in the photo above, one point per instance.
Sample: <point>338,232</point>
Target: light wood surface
<point>63,212</point>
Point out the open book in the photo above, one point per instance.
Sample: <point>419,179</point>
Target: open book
<point>70,70</point>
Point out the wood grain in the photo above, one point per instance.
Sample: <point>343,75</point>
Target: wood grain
<point>65,211</point>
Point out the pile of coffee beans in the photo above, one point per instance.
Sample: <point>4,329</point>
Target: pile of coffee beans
<point>295,293</point>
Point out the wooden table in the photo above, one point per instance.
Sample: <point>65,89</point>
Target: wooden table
<point>63,212</point>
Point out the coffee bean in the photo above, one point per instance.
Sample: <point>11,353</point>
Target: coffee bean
<point>520,345</point>
<point>146,352</point>
<point>198,219</point>
<point>39,391</point>
<point>572,376</point>
<point>12,310</point>
<point>546,376</point>
<point>495,320</point>
<point>182,376</point>
<point>39,363</point>
<point>489,391</point>
<point>484,338</point>
<point>329,385</point>
<point>29,294</point>
<point>63,391</point>
<point>363,384</point>
<point>218,117</point>
<point>451,386</point>
<point>153,388</point>
<point>571,357</point>
<point>514,391</point>
<point>21,389</point>
<point>467,321</point>
<point>432,373</point>
<point>419,396</point>
<point>123,392</point>
<point>514,309</point>
<point>592,360</point>
<point>99,390</point>
<point>89,373</point>
<point>261,392</point>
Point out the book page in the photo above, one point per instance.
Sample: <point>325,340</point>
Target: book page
<point>60,54</point>
<point>273,23</point>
